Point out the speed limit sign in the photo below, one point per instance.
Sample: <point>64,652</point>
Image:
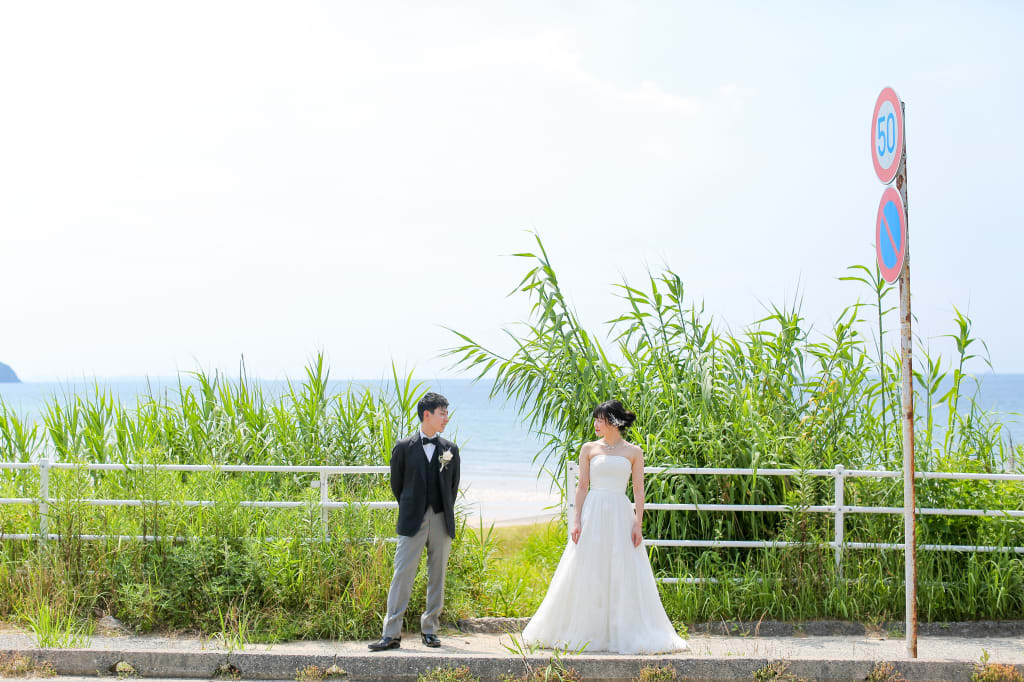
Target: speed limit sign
<point>887,135</point>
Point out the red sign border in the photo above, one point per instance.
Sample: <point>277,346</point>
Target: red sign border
<point>891,274</point>
<point>890,95</point>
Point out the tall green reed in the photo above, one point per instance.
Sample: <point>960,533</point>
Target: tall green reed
<point>265,573</point>
<point>777,394</point>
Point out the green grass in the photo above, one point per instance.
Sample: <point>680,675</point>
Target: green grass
<point>53,627</point>
<point>519,566</point>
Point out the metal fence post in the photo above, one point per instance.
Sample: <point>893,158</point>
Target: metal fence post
<point>571,469</point>
<point>323,503</point>
<point>44,499</point>
<point>840,481</point>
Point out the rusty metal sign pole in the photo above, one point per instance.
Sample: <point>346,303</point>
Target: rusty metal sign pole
<point>906,368</point>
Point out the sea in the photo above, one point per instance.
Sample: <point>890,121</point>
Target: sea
<point>502,473</point>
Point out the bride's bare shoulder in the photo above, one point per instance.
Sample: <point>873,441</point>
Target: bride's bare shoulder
<point>588,449</point>
<point>634,452</point>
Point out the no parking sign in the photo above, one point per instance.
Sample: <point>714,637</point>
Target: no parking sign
<point>891,235</point>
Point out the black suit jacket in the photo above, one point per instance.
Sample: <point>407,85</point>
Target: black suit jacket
<point>409,483</point>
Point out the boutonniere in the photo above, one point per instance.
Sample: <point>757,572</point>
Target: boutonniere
<point>445,458</point>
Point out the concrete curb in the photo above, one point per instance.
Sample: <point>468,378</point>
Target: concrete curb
<point>408,665</point>
<point>778,628</point>
<point>841,628</point>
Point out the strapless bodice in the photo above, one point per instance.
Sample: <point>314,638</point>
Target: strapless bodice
<point>609,472</point>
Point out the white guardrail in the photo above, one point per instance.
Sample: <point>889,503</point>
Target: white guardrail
<point>839,509</point>
<point>45,466</point>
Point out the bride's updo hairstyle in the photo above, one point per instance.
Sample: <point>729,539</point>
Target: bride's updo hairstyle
<point>615,414</point>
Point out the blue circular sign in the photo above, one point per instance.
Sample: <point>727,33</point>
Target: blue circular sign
<point>891,235</point>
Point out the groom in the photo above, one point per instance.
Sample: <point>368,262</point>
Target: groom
<point>425,480</point>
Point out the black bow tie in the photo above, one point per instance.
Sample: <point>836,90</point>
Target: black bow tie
<point>435,441</point>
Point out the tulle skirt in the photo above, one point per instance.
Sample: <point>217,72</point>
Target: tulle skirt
<point>603,594</point>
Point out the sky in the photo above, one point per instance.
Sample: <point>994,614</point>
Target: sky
<point>186,184</point>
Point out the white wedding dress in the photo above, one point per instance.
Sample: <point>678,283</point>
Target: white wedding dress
<point>603,594</point>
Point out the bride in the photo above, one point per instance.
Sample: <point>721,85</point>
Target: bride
<point>603,594</point>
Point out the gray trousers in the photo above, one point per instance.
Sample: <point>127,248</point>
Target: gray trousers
<point>434,535</point>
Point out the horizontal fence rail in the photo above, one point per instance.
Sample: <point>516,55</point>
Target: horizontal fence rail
<point>839,509</point>
<point>325,504</point>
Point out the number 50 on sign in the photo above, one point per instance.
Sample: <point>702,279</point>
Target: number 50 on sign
<point>887,135</point>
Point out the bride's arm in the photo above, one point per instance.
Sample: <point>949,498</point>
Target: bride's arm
<point>581,493</point>
<point>638,497</point>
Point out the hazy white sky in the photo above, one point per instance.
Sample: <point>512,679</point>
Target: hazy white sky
<point>185,183</point>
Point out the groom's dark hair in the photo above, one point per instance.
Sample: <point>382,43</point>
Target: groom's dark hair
<point>429,403</point>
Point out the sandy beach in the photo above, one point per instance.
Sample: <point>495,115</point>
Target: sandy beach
<point>515,501</point>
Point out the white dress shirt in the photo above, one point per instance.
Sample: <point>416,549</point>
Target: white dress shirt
<point>428,448</point>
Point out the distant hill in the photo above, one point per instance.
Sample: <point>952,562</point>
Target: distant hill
<point>7,375</point>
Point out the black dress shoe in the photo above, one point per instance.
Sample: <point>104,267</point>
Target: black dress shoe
<point>430,640</point>
<point>386,643</point>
